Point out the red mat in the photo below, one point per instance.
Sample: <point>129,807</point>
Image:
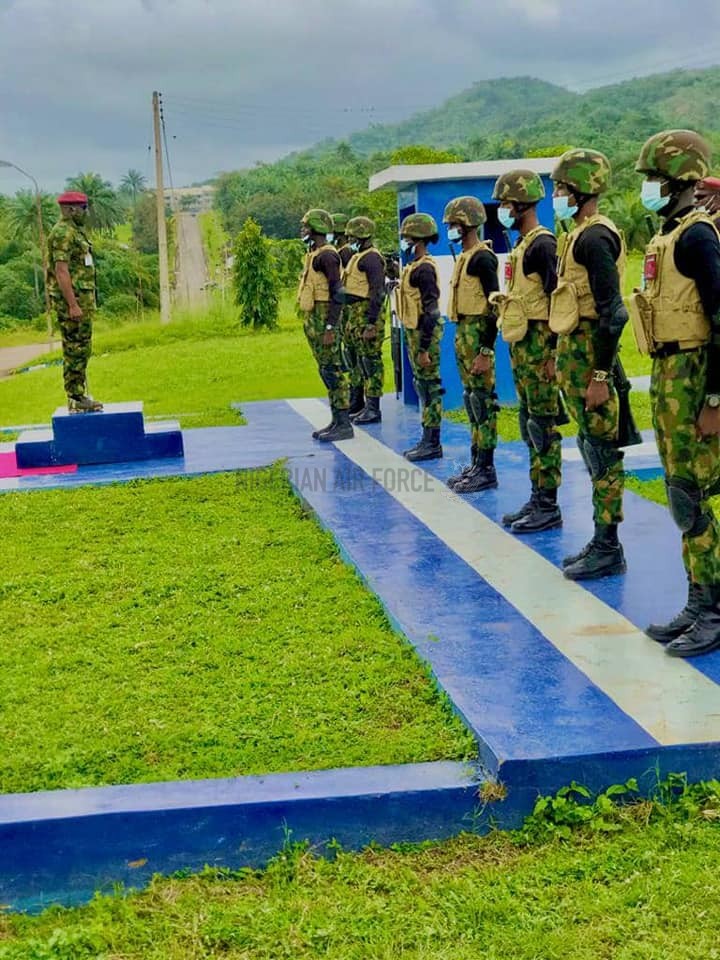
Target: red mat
<point>9,468</point>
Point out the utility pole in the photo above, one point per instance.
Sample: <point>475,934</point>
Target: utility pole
<point>161,228</point>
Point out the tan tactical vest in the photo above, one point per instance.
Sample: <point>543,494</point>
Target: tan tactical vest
<point>467,297</point>
<point>669,308</point>
<point>354,280</point>
<point>573,299</point>
<point>525,298</point>
<point>314,287</point>
<point>409,300</point>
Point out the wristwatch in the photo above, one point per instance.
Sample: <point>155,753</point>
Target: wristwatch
<point>329,326</point>
<point>486,352</point>
<point>600,376</point>
<point>713,400</point>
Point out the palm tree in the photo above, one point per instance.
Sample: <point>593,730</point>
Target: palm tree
<point>133,184</point>
<point>105,210</point>
<point>22,217</point>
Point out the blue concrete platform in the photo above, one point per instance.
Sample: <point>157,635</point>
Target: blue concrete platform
<point>556,679</point>
<point>117,434</point>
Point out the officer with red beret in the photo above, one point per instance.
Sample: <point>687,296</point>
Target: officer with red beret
<point>707,197</point>
<point>71,285</point>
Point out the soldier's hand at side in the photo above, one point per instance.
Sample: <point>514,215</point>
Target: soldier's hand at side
<point>328,338</point>
<point>369,332</point>
<point>75,312</point>
<point>708,423</point>
<point>550,369</point>
<point>424,359</point>
<point>481,364</point>
<point>596,394</point>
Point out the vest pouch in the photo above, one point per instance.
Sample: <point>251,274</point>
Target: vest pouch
<point>513,318</point>
<point>641,317</point>
<point>306,301</point>
<point>564,313</point>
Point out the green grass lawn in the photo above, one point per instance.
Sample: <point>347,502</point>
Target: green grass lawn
<point>648,891</point>
<point>189,628</point>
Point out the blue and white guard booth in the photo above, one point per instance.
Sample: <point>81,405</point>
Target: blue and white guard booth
<point>427,188</point>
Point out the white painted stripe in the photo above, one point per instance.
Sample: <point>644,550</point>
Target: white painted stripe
<point>669,698</point>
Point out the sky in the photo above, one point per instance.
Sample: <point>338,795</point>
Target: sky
<point>250,80</point>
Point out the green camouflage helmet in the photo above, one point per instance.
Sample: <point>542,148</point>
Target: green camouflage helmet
<point>360,227</point>
<point>419,226</point>
<point>467,211</point>
<point>519,186</point>
<point>319,221</point>
<point>339,222</point>
<point>587,171</point>
<point>676,154</point>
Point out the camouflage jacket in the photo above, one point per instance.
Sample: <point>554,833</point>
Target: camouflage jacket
<point>69,243</point>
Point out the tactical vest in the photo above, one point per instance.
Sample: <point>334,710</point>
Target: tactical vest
<point>525,298</point>
<point>409,300</point>
<point>314,287</point>
<point>356,282</point>
<point>467,297</point>
<point>668,308</point>
<point>573,299</point>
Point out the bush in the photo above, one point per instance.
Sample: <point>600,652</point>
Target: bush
<point>254,277</point>
<point>288,256</point>
<point>120,304</point>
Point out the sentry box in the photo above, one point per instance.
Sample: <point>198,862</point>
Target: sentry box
<point>427,188</point>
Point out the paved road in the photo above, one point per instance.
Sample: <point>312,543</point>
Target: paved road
<point>192,270</point>
<point>11,357</point>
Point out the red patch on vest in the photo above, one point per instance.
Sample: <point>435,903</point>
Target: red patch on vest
<point>508,270</point>
<point>650,268</point>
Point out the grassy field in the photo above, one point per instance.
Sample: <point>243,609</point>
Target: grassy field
<point>635,883</point>
<point>189,628</point>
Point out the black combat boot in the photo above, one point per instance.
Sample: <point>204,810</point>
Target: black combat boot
<point>370,413</point>
<point>357,400</point>
<point>84,404</point>
<point>333,421</point>
<point>704,635</point>
<point>603,556</point>
<point>451,481</point>
<point>428,448</point>
<point>510,518</point>
<point>341,431</point>
<point>665,632</point>
<point>544,516</point>
<point>481,477</point>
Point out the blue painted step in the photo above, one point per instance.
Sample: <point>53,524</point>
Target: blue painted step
<point>118,434</point>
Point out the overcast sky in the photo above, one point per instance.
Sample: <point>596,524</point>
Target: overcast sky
<point>249,80</point>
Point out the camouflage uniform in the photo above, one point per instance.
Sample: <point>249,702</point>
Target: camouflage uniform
<point>428,378</point>
<point>539,397</point>
<point>366,349</point>
<point>68,243</point>
<point>676,317</point>
<point>328,358</point>
<point>471,333</point>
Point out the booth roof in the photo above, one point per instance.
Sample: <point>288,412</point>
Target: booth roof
<point>405,175</point>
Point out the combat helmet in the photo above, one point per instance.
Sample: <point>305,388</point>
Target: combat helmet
<point>676,154</point>
<point>467,211</point>
<point>586,171</point>
<point>519,186</point>
<point>339,222</point>
<point>419,226</point>
<point>360,227</point>
<point>318,221</point>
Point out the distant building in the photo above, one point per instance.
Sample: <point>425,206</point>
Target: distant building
<point>190,199</point>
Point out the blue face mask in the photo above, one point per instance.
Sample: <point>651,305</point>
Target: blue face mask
<point>454,234</point>
<point>355,246</point>
<point>329,237</point>
<point>651,196</point>
<point>407,246</point>
<point>506,218</point>
<point>562,208</point>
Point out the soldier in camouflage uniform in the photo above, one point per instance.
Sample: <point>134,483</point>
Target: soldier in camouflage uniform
<point>338,237</point>
<point>676,319</point>
<point>71,285</point>
<point>524,309</point>
<point>320,299</point>
<point>364,284</point>
<point>588,314</point>
<point>418,308</point>
<point>473,282</point>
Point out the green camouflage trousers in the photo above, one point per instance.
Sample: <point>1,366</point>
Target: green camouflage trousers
<point>539,397</point>
<point>470,334</point>
<point>427,378</point>
<point>677,394</point>
<point>328,359</point>
<point>76,343</point>
<point>575,364</point>
<point>365,355</point>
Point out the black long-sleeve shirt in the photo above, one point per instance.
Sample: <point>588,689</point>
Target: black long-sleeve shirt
<point>484,265</point>
<point>328,262</point>
<point>697,256</point>
<point>598,250</point>
<point>424,279</point>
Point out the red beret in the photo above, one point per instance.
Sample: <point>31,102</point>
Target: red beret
<point>710,183</point>
<point>72,196</point>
